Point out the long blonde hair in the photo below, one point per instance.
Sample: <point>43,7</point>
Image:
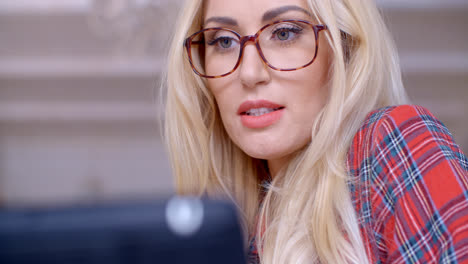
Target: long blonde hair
<point>320,225</point>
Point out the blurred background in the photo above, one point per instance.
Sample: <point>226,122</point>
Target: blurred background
<point>80,83</point>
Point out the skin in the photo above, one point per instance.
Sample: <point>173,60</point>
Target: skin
<point>302,92</point>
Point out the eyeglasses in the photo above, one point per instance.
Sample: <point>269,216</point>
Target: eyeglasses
<point>285,45</point>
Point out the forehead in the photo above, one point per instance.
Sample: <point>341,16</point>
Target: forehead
<point>253,12</point>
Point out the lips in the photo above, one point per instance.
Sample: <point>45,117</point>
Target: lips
<point>259,114</point>
<point>248,105</point>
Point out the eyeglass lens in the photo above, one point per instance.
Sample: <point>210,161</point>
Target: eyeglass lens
<point>285,45</point>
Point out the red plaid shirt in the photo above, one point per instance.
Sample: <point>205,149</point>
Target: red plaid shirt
<point>409,187</point>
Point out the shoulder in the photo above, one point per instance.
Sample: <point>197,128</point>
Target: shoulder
<point>387,127</point>
<point>408,143</point>
<point>406,138</point>
<point>403,118</point>
<point>399,128</point>
<point>411,178</point>
<point>400,150</point>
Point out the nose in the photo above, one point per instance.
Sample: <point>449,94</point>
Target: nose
<point>252,70</point>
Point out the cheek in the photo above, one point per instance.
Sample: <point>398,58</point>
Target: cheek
<point>307,89</point>
<point>316,78</point>
<point>225,111</point>
<point>225,99</point>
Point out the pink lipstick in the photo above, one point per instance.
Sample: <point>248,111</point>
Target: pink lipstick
<point>259,113</point>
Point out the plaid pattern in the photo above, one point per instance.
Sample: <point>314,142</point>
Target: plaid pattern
<point>252,256</point>
<point>409,187</point>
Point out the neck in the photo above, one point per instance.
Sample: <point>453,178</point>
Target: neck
<point>275,165</point>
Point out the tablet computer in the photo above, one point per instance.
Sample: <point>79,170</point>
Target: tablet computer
<point>178,230</point>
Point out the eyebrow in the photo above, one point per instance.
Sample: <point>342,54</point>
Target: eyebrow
<point>269,15</point>
<point>222,20</point>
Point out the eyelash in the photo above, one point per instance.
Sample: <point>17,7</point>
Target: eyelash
<point>215,40</point>
<point>294,30</point>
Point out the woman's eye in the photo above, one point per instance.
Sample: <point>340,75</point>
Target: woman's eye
<point>222,42</point>
<point>225,42</point>
<point>284,34</point>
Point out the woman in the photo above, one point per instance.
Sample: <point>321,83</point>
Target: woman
<point>294,109</point>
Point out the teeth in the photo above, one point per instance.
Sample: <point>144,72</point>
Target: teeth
<point>260,111</point>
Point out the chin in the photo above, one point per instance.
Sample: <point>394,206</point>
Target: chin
<point>266,153</point>
<point>272,150</point>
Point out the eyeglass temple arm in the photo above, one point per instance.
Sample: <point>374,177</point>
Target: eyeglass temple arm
<point>186,42</point>
<point>321,27</point>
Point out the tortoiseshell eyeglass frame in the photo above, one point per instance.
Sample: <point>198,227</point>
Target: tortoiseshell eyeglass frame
<point>243,41</point>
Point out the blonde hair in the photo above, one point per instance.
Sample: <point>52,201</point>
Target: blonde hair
<point>320,225</point>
